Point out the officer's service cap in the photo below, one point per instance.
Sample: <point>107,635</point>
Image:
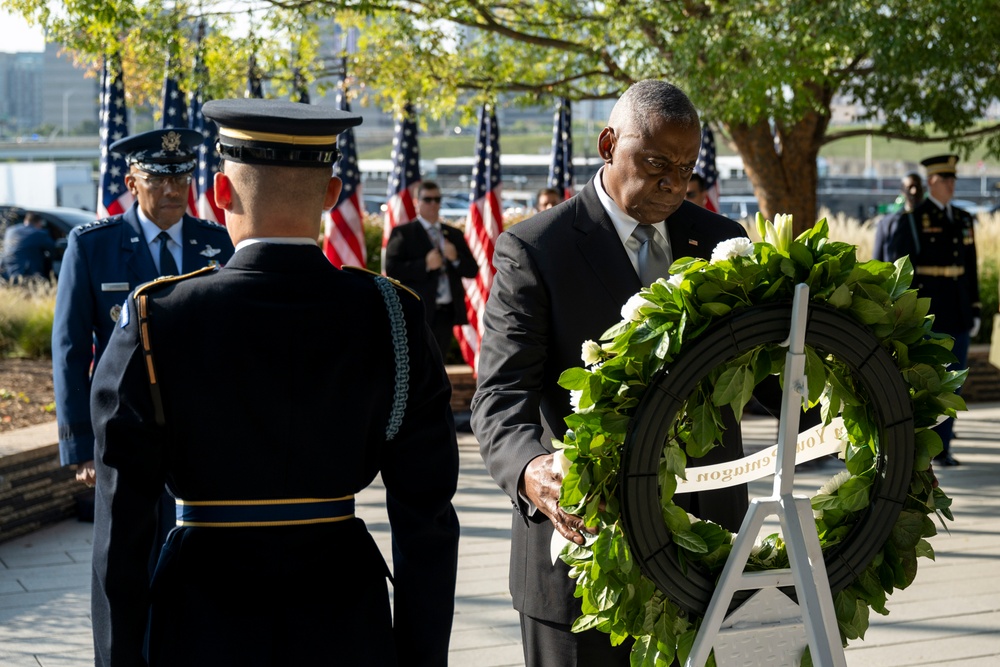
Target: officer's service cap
<point>277,132</point>
<point>940,164</point>
<point>170,151</point>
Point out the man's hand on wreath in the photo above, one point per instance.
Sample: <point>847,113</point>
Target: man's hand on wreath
<point>540,484</point>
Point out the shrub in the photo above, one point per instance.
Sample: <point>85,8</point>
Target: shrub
<point>26,313</point>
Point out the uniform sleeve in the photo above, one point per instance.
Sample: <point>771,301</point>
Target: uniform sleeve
<point>505,408</point>
<point>73,353</point>
<point>130,479</point>
<point>972,270</point>
<point>420,473</point>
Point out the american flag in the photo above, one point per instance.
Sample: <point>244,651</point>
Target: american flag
<point>344,235</point>
<point>113,197</point>
<point>405,177</point>
<point>208,157</point>
<point>561,169</point>
<point>706,168</point>
<point>481,231</point>
<point>254,87</point>
<point>175,114</point>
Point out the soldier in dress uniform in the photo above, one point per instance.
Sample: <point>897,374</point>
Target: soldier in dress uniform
<point>265,394</point>
<point>941,244</point>
<point>106,259</point>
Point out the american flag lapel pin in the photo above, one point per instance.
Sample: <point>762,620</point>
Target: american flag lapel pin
<point>693,242</point>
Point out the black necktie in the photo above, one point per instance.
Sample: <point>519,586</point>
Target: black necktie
<point>653,262</point>
<point>168,267</point>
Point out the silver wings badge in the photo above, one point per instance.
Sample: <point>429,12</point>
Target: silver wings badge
<point>209,251</point>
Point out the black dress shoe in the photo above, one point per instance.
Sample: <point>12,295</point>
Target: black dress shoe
<point>946,459</point>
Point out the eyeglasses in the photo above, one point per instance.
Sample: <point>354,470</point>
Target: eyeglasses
<point>159,182</point>
<point>431,200</point>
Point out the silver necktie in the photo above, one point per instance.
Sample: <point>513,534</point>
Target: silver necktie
<point>653,262</point>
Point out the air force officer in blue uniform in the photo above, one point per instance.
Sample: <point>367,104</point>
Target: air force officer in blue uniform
<point>108,258</point>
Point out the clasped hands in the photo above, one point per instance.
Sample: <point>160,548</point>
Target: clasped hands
<point>435,258</point>
<point>540,484</point>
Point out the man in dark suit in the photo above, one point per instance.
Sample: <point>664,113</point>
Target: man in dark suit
<point>107,258</point>
<point>212,384</point>
<point>912,193</point>
<point>27,249</point>
<point>562,278</point>
<point>431,258</point>
<point>941,243</point>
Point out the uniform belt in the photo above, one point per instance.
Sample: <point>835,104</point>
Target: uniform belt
<point>941,271</point>
<point>261,513</point>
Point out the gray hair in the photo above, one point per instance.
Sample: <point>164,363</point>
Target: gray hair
<point>652,97</point>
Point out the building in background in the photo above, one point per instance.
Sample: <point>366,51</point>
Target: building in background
<point>70,99</point>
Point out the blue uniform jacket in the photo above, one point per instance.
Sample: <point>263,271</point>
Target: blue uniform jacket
<point>104,261</point>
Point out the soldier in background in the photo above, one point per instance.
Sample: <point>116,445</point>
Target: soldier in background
<point>941,244</point>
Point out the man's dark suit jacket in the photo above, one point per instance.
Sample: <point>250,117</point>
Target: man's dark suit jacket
<point>405,261</point>
<point>562,277</point>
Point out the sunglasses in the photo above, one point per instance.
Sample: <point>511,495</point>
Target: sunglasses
<point>431,200</point>
<point>158,182</point>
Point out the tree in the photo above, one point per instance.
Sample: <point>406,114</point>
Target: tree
<point>763,72</point>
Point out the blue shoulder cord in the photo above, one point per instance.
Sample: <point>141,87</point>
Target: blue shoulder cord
<point>402,353</point>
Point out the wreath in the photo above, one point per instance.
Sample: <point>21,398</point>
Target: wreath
<point>670,316</point>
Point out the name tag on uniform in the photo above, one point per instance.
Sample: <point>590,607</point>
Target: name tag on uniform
<point>114,287</point>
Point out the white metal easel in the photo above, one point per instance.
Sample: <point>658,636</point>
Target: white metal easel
<point>807,570</point>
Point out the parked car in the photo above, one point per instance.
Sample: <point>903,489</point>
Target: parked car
<point>738,207</point>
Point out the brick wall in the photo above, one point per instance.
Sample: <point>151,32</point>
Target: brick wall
<point>35,490</point>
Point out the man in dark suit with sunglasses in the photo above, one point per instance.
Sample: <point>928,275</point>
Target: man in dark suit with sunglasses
<point>431,258</point>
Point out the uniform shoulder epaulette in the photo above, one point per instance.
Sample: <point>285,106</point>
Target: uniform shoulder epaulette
<point>167,280</point>
<point>396,283</point>
<point>97,224</point>
<point>211,224</point>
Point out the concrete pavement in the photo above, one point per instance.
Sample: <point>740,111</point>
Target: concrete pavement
<point>949,617</point>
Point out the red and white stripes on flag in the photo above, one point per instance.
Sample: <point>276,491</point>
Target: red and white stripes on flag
<point>484,225</point>
<point>405,178</point>
<point>113,198</point>
<point>343,233</point>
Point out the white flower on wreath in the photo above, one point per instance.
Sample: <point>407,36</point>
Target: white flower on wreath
<point>731,249</point>
<point>574,398</point>
<point>834,483</point>
<point>591,352</point>
<point>675,279</point>
<point>630,311</point>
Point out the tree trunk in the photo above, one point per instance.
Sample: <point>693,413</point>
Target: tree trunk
<point>781,166</point>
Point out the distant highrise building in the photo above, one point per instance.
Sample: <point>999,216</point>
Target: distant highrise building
<point>21,90</point>
<point>69,99</point>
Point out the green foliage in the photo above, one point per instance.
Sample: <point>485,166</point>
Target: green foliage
<point>26,311</point>
<point>657,323</point>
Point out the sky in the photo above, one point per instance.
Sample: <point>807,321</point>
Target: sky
<point>18,35</point>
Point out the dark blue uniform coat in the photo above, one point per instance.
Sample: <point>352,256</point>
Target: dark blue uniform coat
<point>104,260</point>
<point>933,243</point>
<point>278,379</point>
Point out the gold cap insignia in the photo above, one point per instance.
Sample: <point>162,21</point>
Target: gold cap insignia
<point>171,141</point>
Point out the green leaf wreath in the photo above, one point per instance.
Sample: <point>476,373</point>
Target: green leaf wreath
<point>657,323</point>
